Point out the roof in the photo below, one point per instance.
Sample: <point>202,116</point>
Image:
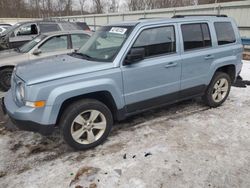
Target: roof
<point>43,21</point>
<point>148,21</point>
<point>67,32</point>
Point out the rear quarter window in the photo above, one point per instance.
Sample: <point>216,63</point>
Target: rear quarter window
<point>225,33</point>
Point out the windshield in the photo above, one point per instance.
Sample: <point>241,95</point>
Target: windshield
<point>28,46</point>
<point>105,43</point>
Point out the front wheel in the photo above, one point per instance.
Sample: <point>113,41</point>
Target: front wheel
<point>86,124</point>
<point>218,90</point>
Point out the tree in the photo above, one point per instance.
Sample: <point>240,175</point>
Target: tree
<point>82,2</point>
<point>98,6</point>
<point>114,6</point>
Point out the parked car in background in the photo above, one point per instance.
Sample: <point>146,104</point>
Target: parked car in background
<point>4,27</point>
<point>44,45</point>
<point>125,69</point>
<point>83,25</point>
<point>23,32</point>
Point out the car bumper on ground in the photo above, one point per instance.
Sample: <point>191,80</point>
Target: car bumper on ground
<point>20,119</point>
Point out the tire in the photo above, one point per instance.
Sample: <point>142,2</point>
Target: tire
<point>5,78</point>
<point>90,118</point>
<point>215,97</point>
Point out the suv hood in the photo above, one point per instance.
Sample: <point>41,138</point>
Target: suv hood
<point>57,67</point>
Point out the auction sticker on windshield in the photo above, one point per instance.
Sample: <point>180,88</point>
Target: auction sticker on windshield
<point>118,30</point>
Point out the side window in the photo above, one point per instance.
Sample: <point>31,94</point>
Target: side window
<point>55,44</point>
<point>157,41</point>
<point>196,36</point>
<point>30,29</point>
<point>78,40</point>
<point>49,27</point>
<point>225,33</point>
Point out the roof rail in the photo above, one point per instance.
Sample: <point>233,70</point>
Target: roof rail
<point>151,18</point>
<point>190,15</point>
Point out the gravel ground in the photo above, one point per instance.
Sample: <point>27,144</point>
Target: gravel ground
<point>185,145</point>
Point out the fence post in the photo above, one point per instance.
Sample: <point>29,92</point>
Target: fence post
<point>218,9</point>
<point>108,18</point>
<point>94,23</point>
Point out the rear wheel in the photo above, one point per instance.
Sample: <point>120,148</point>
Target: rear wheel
<point>86,124</point>
<point>5,78</point>
<point>218,90</point>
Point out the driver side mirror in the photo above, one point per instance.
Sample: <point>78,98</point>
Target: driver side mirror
<point>135,55</point>
<point>37,51</point>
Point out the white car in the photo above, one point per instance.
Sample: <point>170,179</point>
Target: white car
<point>44,45</point>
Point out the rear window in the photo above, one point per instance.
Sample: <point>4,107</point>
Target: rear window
<point>225,33</point>
<point>49,28</point>
<point>196,36</point>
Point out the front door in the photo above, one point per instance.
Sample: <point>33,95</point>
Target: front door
<point>155,79</point>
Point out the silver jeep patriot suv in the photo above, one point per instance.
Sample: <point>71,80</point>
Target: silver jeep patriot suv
<point>122,70</point>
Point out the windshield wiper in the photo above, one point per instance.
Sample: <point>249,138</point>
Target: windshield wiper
<point>85,56</point>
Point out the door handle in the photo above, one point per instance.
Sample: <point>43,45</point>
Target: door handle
<point>209,57</point>
<point>171,64</point>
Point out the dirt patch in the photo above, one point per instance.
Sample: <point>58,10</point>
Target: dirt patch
<point>246,55</point>
<point>3,173</point>
<point>86,172</point>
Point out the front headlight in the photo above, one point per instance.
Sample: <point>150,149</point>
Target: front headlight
<point>20,92</point>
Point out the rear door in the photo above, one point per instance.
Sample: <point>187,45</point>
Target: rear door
<point>155,79</point>
<point>197,56</point>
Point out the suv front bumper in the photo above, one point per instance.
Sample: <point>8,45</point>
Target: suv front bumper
<point>21,118</point>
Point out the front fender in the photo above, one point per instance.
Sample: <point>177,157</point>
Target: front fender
<point>60,94</point>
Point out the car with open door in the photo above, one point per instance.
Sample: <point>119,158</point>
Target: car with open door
<point>44,45</point>
<point>23,32</point>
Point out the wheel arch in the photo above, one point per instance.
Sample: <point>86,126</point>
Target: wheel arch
<point>7,66</point>
<point>228,69</point>
<point>103,96</point>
